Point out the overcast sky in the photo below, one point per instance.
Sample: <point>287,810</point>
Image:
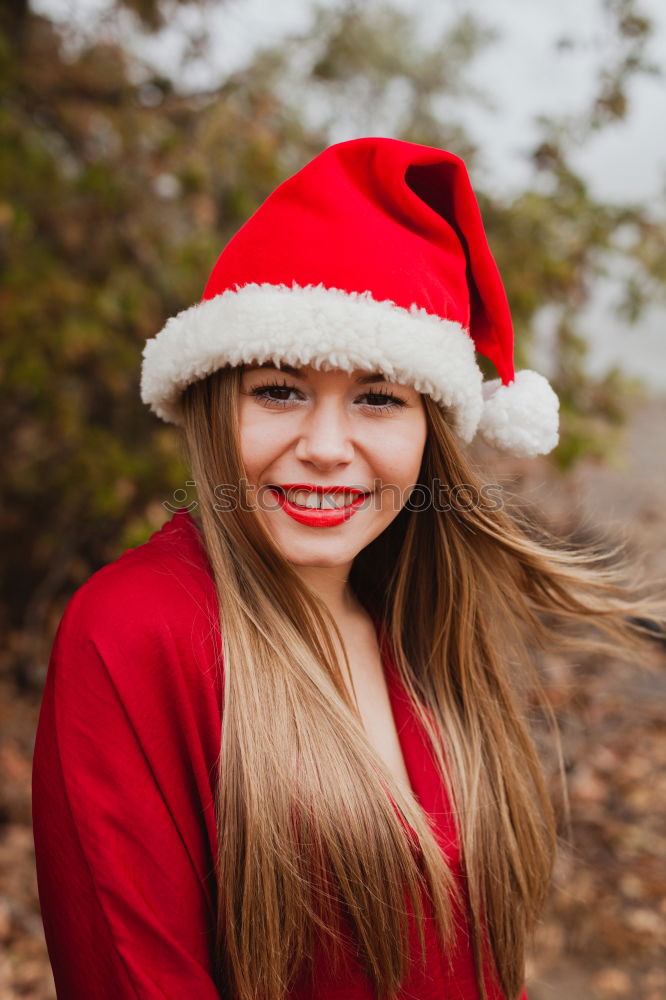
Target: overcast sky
<point>522,71</point>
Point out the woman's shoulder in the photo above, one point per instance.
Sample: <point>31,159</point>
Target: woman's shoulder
<point>153,604</point>
<point>170,568</point>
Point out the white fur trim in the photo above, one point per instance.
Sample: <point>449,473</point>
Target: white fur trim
<point>522,417</point>
<point>318,326</point>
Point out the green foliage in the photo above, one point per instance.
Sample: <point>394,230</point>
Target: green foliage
<point>113,206</point>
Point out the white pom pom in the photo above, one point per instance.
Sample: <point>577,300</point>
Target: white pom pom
<point>521,418</point>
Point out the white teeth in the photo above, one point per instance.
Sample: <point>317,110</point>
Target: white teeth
<point>304,498</point>
<point>333,500</point>
<point>316,501</point>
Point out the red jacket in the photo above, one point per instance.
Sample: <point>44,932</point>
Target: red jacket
<point>123,784</point>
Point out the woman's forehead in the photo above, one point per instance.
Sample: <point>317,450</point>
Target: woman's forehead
<point>360,375</point>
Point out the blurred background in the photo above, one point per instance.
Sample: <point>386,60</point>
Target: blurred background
<point>136,136</point>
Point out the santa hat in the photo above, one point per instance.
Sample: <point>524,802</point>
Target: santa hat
<point>372,256</point>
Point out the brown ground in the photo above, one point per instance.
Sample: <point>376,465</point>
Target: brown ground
<point>604,933</point>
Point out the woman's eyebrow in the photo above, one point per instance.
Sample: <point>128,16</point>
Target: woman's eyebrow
<point>298,373</point>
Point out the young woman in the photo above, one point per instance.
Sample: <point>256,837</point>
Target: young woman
<point>283,750</point>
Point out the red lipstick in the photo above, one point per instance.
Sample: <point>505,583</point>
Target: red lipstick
<point>327,517</point>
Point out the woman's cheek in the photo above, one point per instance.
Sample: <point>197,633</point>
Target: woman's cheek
<point>404,464</point>
<point>258,440</point>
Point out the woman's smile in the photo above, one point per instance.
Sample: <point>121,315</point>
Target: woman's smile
<point>319,510</point>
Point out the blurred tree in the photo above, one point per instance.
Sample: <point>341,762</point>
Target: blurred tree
<point>582,240</point>
<point>116,195</point>
<point>118,191</point>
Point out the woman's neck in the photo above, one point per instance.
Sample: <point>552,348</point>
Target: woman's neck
<point>331,584</point>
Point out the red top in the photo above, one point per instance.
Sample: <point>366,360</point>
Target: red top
<point>123,789</point>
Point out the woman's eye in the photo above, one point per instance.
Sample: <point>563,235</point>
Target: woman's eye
<point>261,392</point>
<point>264,393</point>
<point>395,402</point>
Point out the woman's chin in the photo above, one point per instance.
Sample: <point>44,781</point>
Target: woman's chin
<point>317,547</point>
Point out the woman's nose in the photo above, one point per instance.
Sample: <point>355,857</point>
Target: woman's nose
<point>326,434</point>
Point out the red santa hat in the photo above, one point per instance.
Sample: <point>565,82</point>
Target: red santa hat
<point>372,256</point>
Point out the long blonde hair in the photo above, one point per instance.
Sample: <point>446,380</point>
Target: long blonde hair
<point>310,821</point>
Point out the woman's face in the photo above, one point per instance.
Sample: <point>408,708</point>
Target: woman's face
<point>329,429</point>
